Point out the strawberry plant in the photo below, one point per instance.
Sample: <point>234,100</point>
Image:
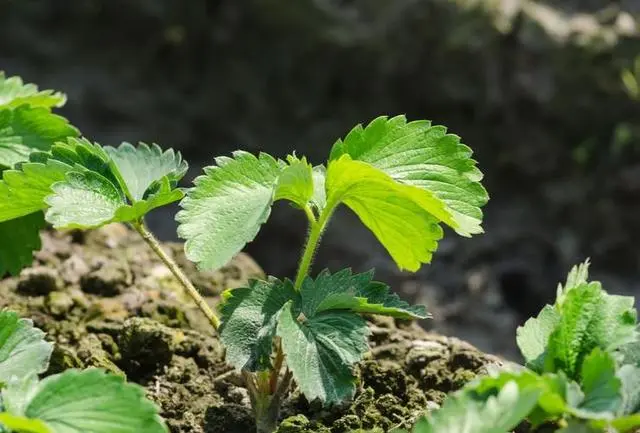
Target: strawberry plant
<point>404,180</point>
<point>582,372</point>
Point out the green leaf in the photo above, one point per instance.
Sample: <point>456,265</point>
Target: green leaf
<point>392,211</point>
<point>621,425</point>
<point>295,183</point>
<point>23,350</point>
<point>20,238</point>
<point>137,169</point>
<point>22,192</point>
<point>249,320</point>
<point>27,128</point>
<point>533,337</point>
<point>319,198</point>
<point>227,207</point>
<point>164,195</point>
<point>22,424</point>
<point>601,387</point>
<point>498,414</point>
<point>87,401</point>
<point>13,92</point>
<point>629,376</point>
<point>83,200</point>
<point>321,351</point>
<point>425,156</point>
<point>356,292</point>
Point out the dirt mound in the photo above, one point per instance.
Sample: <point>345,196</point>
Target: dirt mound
<point>108,302</point>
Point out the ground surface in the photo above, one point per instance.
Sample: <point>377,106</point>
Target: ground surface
<point>106,301</point>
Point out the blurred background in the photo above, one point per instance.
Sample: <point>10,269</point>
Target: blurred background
<point>545,91</point>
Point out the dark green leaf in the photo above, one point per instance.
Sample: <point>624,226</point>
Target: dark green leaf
<point>19,238</point>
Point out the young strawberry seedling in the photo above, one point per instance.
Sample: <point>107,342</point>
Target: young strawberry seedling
<point>402,179</point>
<point>582,371</point>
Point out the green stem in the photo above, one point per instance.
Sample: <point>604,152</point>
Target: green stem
<point>177,272</point>
<point>317,228</point>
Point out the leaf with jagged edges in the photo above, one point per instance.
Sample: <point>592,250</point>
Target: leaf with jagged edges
<point>394,212</point>
<point>20,238</point>
<point>23,349</point>
<point>295,182</point>
<point>424,156</point>
<point>84,401</point>
<point>26,129</point>
<point>227,207</point>
<point>249,319</point>
<point>22,191</point>
<point>533,337</point>
<point>355,292</point>
<point>321,351</point>
<point>499,413</point>
<point>14,92</point>
<point>629,376</point>
<point>578,275</point>
<point>138,168</point>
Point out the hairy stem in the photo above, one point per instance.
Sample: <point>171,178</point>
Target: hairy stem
<point>177,272</point>
<point>317,228</point>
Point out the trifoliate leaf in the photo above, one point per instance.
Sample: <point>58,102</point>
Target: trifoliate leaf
<point>497,414</point>
<point>321,350</point>
<point>22,192</point>
<point>425,156</point>
<point>249,319</point>
<point>13,92</point>
<point>83,200</point>
<point>533,337</point>
<point>137,169</point>
<point>392,211</point>
<point>89,401</point>
<point>296,182</point>
<point>26,129</point>
<point>227,207</point>
<point>356,292</point>
<point>629,376</point>
<point>601,387</point>
<point>20,238</point>
<point>23,350</point>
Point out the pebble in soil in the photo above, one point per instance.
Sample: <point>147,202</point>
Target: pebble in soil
<point>107,302</point>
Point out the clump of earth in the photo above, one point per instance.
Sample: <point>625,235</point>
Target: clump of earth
<point>108,302</point>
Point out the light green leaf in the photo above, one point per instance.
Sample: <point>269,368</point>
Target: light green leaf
<point>22,192</point>
<point>295,183</point>
<point>165,195</point>
<point>629,423</point>
<point>21,424</point>
<point>20,237</point>
<point>601,387</point>
<point>497,414</point>
<point>356,292</point>
<point>392,211</point>
<point>137,169</point>
<point>533,337</point>
<point>83,200</point>
<point>577,276</point>
<point>13,92</point>
<point>227,207</point>
<point>27,128</point>
<point>249,320</point>
<point>629,376</point>
<point>571,341</point>
<point>425,156</point>
<point>88,401</point>
<point>23,350</point>
<point>321,350</point>
<point>319,198</point>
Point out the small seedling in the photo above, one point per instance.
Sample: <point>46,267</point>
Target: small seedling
<point>582,371</point>
<point>402,179</point>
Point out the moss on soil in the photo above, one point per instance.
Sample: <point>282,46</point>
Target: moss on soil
<point>108,302</point>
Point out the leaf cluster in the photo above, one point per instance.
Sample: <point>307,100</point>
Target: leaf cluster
<point>88,401</point>
<point>582,370</point>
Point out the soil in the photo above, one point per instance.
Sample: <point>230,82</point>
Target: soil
<point>106,301</point>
